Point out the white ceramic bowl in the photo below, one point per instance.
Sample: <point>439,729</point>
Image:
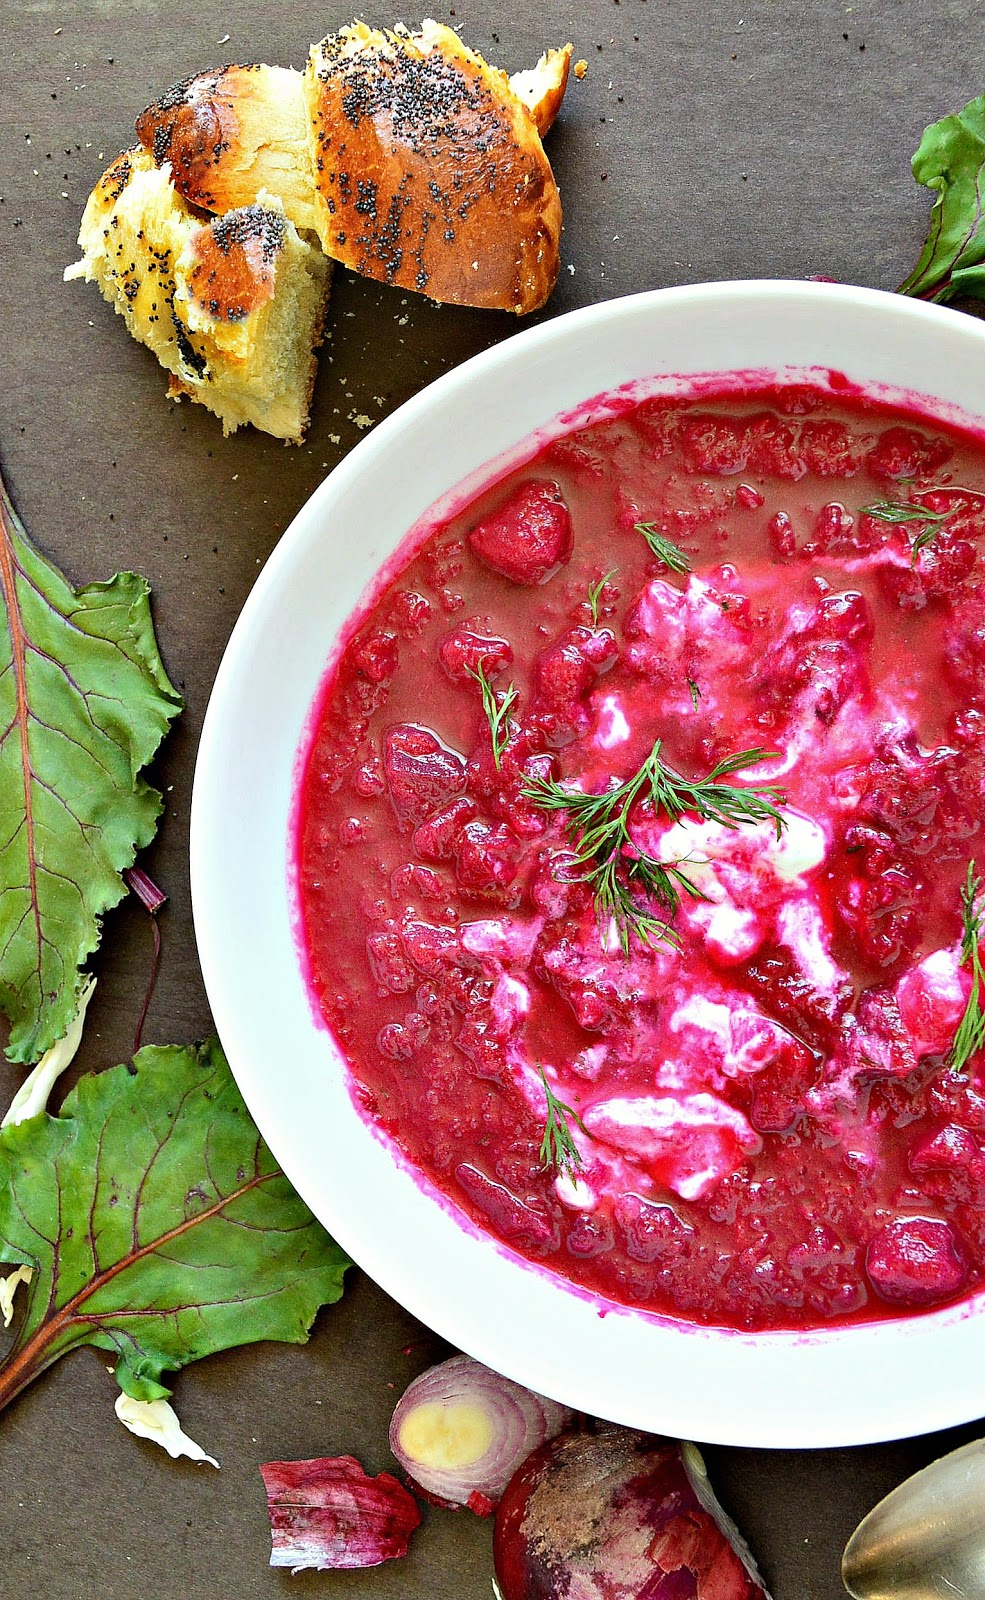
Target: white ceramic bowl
<point>834,1387</point>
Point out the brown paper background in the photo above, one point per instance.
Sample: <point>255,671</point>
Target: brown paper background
<point>711,139</point>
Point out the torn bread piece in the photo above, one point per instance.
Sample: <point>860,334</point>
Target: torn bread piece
<point>230,134</point>
<point>233,307</point>
<point>430,172</point>
<point>541,88</point>
<point>416,162</point>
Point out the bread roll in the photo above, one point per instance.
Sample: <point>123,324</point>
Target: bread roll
<point>414,161</point>
<point>233,307</point>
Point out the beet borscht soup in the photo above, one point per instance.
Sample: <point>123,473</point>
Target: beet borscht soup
<point>635,856</point>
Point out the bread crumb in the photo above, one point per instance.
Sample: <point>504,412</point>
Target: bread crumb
<point>580,68</point>
<point>361,420</point>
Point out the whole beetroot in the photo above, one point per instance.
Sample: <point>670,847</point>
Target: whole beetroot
<point>618,1515</point>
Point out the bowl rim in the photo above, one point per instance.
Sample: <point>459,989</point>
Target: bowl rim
<point>725,1404</point>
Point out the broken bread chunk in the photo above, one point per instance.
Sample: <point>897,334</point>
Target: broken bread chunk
<point>232,133</point>
<point>541,88</point>
<point>430,171</point>
<point>233,306</point>
<point>414,160</point>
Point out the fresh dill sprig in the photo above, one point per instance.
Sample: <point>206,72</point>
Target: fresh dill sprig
<point>907,511</point>
<point>558,1151</point>
<point>664,549</point>
<point>497,712</point>
<point>615,901</point>
<point>970,1035</point>
<point>595,595</point>
<point>664,880</point>
<point>903,511</point>
<point>712,800</point>
<point>611,862</point>
<point>695,692</point>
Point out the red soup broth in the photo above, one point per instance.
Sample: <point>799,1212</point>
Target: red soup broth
<point>767,1126</point>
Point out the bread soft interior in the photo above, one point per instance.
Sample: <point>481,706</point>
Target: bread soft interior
<point>142,244</point>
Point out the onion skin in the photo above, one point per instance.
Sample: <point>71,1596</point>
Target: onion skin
<point>617,1515</point>
<point>330,1514</point>
<point>517,1420</point>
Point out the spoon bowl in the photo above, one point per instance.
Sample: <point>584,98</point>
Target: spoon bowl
<point>926,1540</point>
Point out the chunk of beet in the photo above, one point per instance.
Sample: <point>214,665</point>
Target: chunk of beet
<point>782,536</point>
<point>519,1223</point>
<point>780,1090</point>
<point>376,655</point>
<point>785,992</point>
<point>465,649</point>
<point>950,1149</point>
<point>569,667</point>
<point>421,772</point>
<point>877,1044</point>
<point>915,1261</point>
<point>563,674</point>
<point>821,663</point>
<point>487,857</point>
<point>827,449</point>
<point>529,537</point>
<point>901,454</point>
<point>714,445</point>
<point>654,1232</point>
<point>773,448</point>
<point>438,838</point>
<point>433,948</point>
<point>477,1041</point>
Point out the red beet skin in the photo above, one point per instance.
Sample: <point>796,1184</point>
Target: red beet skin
<point>617,1515</point>
<point>329,1513</point>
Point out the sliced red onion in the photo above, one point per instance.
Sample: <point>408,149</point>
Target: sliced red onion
<point>461,1431</point>
<point>329,1513</point>
<point>618,1515</point>
<point>150,896</point>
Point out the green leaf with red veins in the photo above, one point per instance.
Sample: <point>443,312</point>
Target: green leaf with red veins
<point>84,704</point>
<point>157,1225</point>
<point>951,161</point>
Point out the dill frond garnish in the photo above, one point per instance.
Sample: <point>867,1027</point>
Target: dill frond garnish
<point>970,1035</point>
<point>911,511</point>
<point>497,712</point>
<point>903,511</point>
<point>607,857</point>
<point>664,549</point>
<point>558,1151</point>
<point>595,594</point>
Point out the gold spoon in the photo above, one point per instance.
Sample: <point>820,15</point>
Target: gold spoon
<point>926,1540</point>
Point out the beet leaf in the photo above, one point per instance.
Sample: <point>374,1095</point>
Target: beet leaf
<point>157,1225</point>
<point>84,704</point>
<point>950,160</point>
